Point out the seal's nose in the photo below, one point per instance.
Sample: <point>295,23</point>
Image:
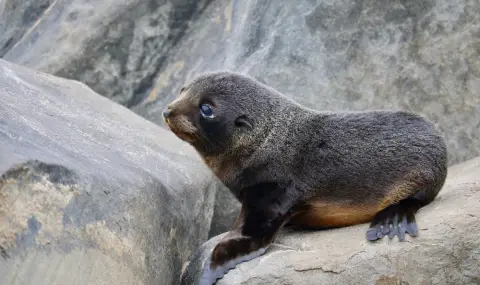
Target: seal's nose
<point>166,112</point>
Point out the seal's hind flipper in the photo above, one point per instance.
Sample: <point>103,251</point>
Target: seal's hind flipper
<point>395,220</point>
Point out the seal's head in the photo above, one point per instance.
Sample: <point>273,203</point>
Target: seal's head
<point>217,112</point>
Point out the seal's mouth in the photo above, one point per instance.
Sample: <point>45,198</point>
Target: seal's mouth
<point>182,128</point>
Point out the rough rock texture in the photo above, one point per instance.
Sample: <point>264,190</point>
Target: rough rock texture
<point>92,193</point>
<point>117,47</point>
<point>447,250</point>
<point>348,54</point>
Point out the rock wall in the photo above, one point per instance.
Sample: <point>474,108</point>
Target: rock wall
<point>91,193</point>
<point>335,55</point>
<point>348,54</point>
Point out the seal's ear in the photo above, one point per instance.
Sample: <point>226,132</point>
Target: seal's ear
<point>243,122</point>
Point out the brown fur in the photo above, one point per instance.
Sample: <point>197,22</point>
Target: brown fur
<point>318,214</point>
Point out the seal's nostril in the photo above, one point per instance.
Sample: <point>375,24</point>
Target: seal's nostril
<point>166,112</point>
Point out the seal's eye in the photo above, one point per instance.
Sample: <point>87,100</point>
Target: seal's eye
<point>206,111</point>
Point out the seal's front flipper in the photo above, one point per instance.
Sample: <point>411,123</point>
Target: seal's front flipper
<point>221,260</point>
<point>395,220</point>
<point>265,209</point>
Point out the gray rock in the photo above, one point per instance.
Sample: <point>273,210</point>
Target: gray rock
<point>350,54</point>
<point>92,193</point>
<point>447,250</point>
<point>225,211</point>
<point>117,47</point>
<point>17,18</point>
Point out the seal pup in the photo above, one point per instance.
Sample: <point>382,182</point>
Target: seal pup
<point>288,164</point>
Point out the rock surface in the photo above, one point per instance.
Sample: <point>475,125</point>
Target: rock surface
<point>349,54</point>
<point>447,250</point>
<point>92,193</point>
<point>117,47</point>
<point>225,211</point>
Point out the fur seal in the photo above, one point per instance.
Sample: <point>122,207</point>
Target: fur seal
<point>288,164</point>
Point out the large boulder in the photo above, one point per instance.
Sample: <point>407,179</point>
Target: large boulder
<point>351,54</point>
<point>90,192</point>
<point>447,250</point>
